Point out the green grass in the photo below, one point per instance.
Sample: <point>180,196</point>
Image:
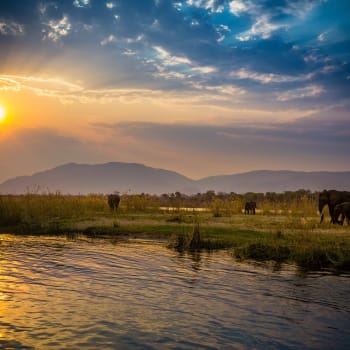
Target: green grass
<point>308,250</point>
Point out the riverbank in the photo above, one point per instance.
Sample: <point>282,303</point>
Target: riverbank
<point>278,238</point>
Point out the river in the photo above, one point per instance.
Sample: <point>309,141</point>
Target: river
<point>61,293</point>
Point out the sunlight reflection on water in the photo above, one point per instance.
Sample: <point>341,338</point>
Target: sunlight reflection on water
<point>57,293</point>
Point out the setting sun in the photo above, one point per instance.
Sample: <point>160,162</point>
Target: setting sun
<point>2,113</point>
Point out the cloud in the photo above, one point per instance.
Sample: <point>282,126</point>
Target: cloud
<point>301,93</point>
<point>264,78</point>
<point>322,37</point>
<point>313,131</point>
<point>110,5</point>
<point>11,28</point>
<point>110,39</point>
<point>300,8</point>
<point>317,142</point>
<point>67,92</point>
<point>209,5</point>
<point>310,143</point>
<point>168,59</point>
<point>221,90</point>
<point>58,29</point>
<point>205,69</point>
<point>40,86</point>
<point>238,43</point>
<point>262,28</point>
<point>81,3</point>
<point>171,67</point>
<point>238,7</point>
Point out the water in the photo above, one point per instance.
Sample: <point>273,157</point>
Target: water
<point>57,293</point>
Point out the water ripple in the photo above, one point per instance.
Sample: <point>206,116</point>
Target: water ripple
<point>57,293</point>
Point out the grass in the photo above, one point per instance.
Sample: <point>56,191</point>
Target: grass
<point>309,250</point>
<point>284,238</point>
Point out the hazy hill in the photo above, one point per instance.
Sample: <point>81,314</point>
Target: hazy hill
<point>101,178</point>
<point>277,181</point>
<point>136,178</point>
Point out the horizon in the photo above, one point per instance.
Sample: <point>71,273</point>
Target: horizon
<point>199,87</point>
<point>170,170</point>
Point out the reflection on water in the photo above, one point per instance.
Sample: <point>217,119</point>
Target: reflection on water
<point>57,293</point>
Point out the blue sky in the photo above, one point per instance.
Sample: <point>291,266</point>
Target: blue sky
<point>247,84</point>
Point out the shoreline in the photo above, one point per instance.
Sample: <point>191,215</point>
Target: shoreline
<point>280,239</point>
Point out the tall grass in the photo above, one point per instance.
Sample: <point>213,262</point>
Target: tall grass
<point>284,231</point>
<point>32,209</point>
<point>308,250</point>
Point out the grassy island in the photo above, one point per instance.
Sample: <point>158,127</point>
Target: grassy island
<point>278,232</point>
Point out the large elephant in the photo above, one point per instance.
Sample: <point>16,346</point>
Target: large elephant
<point>342,209</point>
<point>113,201</point>
<point>249,208</point>
<point>331,198</point>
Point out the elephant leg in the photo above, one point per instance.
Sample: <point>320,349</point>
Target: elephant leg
<point>331,212</point>
<point>341,222</point>
<point>335,218</point>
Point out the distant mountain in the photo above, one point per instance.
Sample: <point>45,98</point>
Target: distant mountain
<point>137,178</point>
<point>100,178</point>
<point>277,181</point>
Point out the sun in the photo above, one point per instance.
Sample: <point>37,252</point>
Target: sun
<point>2,113</point>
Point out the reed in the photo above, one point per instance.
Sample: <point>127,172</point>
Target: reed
<point>281,235</point>
<point>306,249</point>
<point>33,209</point>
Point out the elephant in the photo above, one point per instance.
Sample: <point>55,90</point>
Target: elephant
<point>344,210</point>
<point>113,201</point>
<point>331,198</point>
<point>249,208</point>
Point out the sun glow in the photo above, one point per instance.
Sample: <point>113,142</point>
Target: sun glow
<point>2,113</point>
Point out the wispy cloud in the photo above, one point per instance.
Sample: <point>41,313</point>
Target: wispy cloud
<point>170,60</point>
<point>171,48</point>
<point>172,67</point>
<point>238,144</point>
<point>268,78</point>
<point>301,93</point>
<point>262,28</point>
<point>210,5</point>
<point>300,8</point>
<point>67,92</point>
<point>36,84</point>
<point>110,39</point>
<point>11,28</point>
<point>204,69</point>
<point>222,90</point>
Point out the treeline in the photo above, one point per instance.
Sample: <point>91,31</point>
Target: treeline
<point>301,201</point>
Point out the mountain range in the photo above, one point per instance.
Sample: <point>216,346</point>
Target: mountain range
<point>75,178</point>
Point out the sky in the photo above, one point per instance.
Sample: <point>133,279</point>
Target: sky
<point>201,87</point>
